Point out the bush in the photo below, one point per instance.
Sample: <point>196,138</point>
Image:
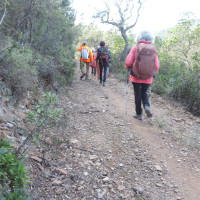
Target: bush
<point>13,175</point>
<point>18,72</point>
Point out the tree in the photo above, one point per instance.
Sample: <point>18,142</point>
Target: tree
<point>126,14</point>
<point>183,41</point>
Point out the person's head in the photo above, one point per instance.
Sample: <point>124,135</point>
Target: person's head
<point>145,36</point>
<point>106,46</point>
<point>102,43</point>
<point>84,43</point>
<point>93,50</point>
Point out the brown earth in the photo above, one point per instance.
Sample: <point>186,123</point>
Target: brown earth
<point>102,152</point>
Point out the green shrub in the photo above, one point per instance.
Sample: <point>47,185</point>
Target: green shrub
<point>18,72</point>
<point>13,174</point>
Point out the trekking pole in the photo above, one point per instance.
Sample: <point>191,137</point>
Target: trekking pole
<point>127,81</point>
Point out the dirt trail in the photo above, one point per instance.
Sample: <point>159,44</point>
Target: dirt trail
<point>114,156</point>
<point>111,102</point>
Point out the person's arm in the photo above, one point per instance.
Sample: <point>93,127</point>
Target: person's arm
<point>130,59</point>
<point>109,56</point>
<point>97,59</point>
<point>80,48</point>
<point>91,55</point>
<point>157,62</point>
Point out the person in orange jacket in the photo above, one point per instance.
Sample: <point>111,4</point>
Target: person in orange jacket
<point>85,58</point>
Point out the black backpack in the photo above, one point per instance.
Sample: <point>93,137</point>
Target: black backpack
<point>103,56</point>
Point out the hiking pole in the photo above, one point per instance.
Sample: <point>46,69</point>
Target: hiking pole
<point>127,81</point>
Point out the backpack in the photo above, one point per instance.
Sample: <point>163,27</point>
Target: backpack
<point>85,53</point>
<point>144,66</point>
<point>103,55</point>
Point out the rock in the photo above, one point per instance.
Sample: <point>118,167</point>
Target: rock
<point>93,157</point>
<point>61,171</point>
<point>158,168</point>
<point>198,121</point>
<point>1,120</point>
<point>10,125</point>
<point>100,194</point>
<point>179,120</point>
<point>138,189</point>
<point>36,158</point>
<point>120,187</point>
<point>158,185</point>
<point>85,173</point>
<point>57,182</point>
<point>121,165</point>
<point>106,179</point>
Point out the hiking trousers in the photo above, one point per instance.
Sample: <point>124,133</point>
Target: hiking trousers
<point>141,96</point>
<point>103,72</point>
<point>82,65</point>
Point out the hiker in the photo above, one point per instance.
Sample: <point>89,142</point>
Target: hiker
<point>93,63</point>
<point>103,57</point>
<point>97,65</point>
<point>109,61</point>
<point>141,83</point>
<point>86,58</point>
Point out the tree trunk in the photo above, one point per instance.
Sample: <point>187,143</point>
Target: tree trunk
<point>126,47</point>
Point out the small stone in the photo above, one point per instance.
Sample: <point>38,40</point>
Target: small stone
<point>93,157</point>
<point>85,173</point>
<point>10,125</point>
<point>99,193</point>
<point>158,168</point>
<point>158,185</point>
<point>138,189</point>
<point>61,171</point>
<point>106,179</point>
<point>57,183</point>
<point>36,158</point>
<point>120,187</point>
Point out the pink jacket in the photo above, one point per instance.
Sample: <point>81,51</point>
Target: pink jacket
<point>93,63</point>
<point>130,59</point>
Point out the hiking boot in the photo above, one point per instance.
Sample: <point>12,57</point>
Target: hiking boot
<point>100,82</point>
<point>104,83</point>
<point>139,117</point>
<point>81,77</point>
<point>147,110</point>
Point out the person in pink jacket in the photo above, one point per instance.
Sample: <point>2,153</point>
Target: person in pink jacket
<point>93,63</point>
<point>141,86</point>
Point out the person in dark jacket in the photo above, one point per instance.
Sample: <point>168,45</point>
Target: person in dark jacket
<point>103,65</point>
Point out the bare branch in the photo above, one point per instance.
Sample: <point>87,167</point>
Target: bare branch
<point>138,14</point>
<point>4,14</point>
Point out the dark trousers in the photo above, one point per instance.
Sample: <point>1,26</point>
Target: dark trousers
<point>103,72</point>
<point>141,96</point>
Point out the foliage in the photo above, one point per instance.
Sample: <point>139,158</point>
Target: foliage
<point>13,174</point>
<point>44,114</point>
<point>36,44</point>
<point>179,60</point>
<point>17,71</point>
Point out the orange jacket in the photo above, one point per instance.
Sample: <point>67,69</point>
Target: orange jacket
<point>90,59</point>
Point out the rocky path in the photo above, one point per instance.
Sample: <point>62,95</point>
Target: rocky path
<point>104,153</point>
